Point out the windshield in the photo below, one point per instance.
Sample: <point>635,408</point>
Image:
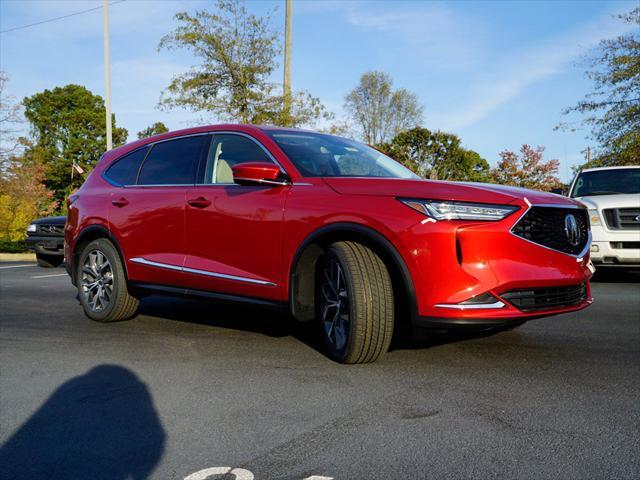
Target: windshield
<point>607,182</point>
<point>320,155</point>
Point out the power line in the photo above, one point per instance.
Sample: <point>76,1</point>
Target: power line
<point>58,18</point>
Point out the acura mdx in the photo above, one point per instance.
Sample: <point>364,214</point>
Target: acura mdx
<point>325,228</point>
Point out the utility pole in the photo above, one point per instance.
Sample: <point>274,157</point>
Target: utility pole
<point>588,154</point>
<point>287,59</point>
<point>107,71</point>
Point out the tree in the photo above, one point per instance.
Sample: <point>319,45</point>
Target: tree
<point>155,129</point>
<point>68,127</point>
<point>526,170</point>
<point>436,155</point>
<point>23,197</point>
<point>612,109</point>
<point>379,111</point>
<point>10,117</point>
<point>232,82</point>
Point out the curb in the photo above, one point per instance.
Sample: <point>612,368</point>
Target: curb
<point>17,257</point>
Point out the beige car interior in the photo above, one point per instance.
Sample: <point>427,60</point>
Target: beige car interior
<point>218,169</point>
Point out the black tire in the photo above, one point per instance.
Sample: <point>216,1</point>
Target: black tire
<point>120,305</point>
<point>49,261</point>
<point>365,315</point>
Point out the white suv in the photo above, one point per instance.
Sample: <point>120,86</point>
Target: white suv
<point>612,195</point>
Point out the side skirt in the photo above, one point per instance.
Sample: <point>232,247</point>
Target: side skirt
<point>152,288</point>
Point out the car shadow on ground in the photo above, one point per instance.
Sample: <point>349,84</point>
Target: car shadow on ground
<point>278,324</point>
<point>100,425</point>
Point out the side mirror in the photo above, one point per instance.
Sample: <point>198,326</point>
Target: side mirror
<point>258,173</point>
<point>560,191</point>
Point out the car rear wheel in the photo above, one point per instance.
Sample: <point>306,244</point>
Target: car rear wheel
<point>102,284</point>
<point>48,261</point>
<point>354,303</point>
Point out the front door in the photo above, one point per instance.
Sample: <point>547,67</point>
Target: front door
<point>234,233</point>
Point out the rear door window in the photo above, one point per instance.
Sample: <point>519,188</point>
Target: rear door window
<point>125,170</point>
<point>173,162</point>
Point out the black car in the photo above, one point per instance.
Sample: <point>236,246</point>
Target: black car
<point>45,236</point>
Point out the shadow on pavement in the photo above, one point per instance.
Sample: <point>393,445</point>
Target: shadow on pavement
<point>279,325</point>
<point>101,425</point>
<point>616,275</point>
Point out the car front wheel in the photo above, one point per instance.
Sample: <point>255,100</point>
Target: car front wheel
<point>102,284</point>
<point>354,303</point>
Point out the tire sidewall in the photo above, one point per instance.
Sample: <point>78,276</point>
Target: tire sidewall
<point>107,249</point>
<point>337,354</point>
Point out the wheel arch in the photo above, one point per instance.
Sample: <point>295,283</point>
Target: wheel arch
<point>88,234</point>
<point>302,269</point>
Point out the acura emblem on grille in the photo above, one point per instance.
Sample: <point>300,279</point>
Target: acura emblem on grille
<point>637,219</point>
<point>571,230</point>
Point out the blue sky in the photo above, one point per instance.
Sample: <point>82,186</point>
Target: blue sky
<point>497,73</point>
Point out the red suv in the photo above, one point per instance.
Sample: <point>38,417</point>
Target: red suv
<point>326,228</point>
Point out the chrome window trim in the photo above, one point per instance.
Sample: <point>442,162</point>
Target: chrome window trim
<point>144,261</point>
<point>159,185</point>
<point>577,256</point>
<point>497,304</point>
<point>280,183</point>
<point>212,133</point>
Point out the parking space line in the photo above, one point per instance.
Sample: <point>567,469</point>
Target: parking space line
<point>18,266</point>
<point>54,275</point>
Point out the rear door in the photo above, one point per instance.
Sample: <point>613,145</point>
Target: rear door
<point>234,232</point>
<point>147,214</point>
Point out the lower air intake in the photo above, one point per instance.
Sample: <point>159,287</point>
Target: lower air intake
<point>537,299</point>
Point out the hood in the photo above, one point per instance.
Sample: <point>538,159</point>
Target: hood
<point>627,200</point>
<point>50,220</point>
<point>440,190</point>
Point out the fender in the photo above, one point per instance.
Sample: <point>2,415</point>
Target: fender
<point>371,236</point>
<point>93,232</point>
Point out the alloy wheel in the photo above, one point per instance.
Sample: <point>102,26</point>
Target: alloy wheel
<point>334,304</point>
<point>97,280</point>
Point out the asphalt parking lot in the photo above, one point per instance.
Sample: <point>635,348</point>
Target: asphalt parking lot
<point>188,386</point>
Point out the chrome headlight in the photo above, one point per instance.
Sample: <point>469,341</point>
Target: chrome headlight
<point>32,227</point>
<point>451,210</point>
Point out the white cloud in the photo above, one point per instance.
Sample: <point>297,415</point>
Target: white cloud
<point>440,39</point>
<point>511,75</point>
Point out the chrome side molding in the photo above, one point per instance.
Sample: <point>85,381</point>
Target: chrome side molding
<point>144,261</point>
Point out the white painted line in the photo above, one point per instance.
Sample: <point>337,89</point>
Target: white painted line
<point>239,473</point>
<point>18,266</point>
<point>49,276</point>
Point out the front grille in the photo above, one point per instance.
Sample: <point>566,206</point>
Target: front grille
<point>548,226</point>
<point>536,299</point>
<point>53,230</point>
<point>622,218</point>
<point>619,245</point>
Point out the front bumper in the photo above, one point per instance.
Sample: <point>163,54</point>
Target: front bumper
<point>453,261</point>
<point>46,245</point>
<point>610,248</point>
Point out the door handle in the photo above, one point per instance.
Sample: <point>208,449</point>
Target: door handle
<point>121,202</point>
<point>199,202</point>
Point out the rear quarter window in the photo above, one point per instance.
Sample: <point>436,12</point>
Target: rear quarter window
<point>125,170</point>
